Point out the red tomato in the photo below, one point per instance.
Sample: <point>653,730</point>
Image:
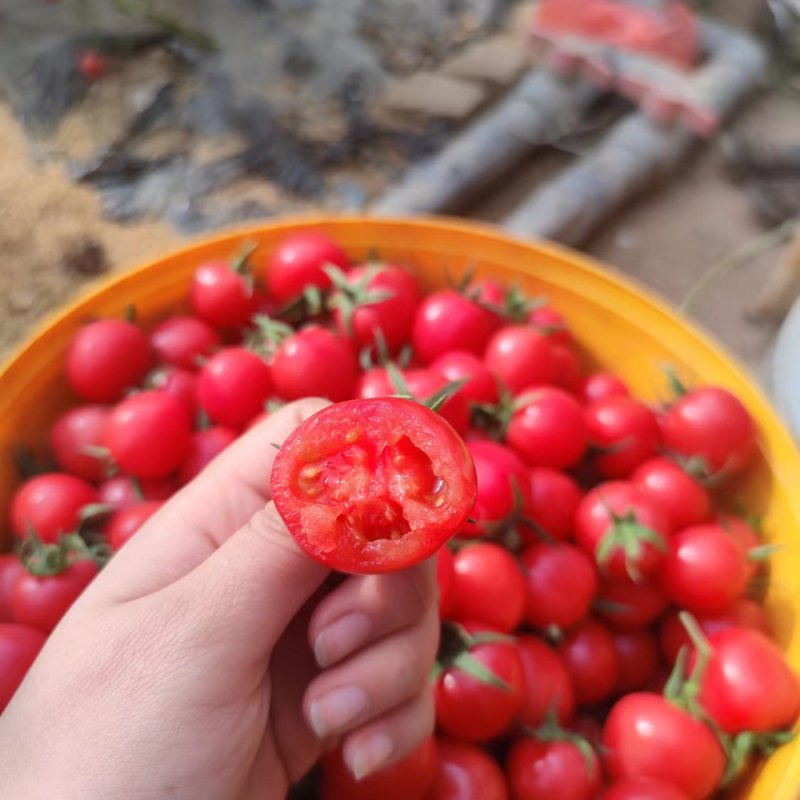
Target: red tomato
<point>221,295</point>
<point>561,584</point>
<point>550,323</point>
<point>553,502</point>
<point>547,686</point>
<point>602,385</point>
<point>520,358</point>
<point>566,368</point>
<point>411,777</point>
<point>624,433</point>
<point>591,660</point>
<point>447,321</point>
<point>744,536</point>
<point>124,491</point>
<point>488,587</point>
<point>445,580</point>
<point>552,770</point>
<point>180,383</point>
<point>40,602</point>
<point>10,569</point>
<point>644,789</point>
<point>481,386</point>
<point>645,736</point>
<point>424,383</point>
<point>107,357</point>
<point>711,425</point>
<point>123,524</point>
<point>466,772</point>
<point>379,297</point>
<point>471,708</point>
<point>622,529</point>
<point>149,434</point>
<point>50,504</point>
<point>74,435</point>
<point>92,65</point>
<point>19,646</point>
<point>681,497</point>
<point>315,362</point>
<point>626,606</point>
<point>184,341</point>
<point>374,382</point>
<point>548,429</point>
<point>373,485</point>
<point>234,386</point>
<point>205,446</point>
<point>743,613</point>
<point>747,684</point>
<point>638,657</point>
<point>503,486</point>
<point>705,570</point>
<point>299,262</point>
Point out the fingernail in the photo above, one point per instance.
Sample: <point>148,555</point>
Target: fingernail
<point>341,638</point>
<point>336,710</point>
<point>371,755</point>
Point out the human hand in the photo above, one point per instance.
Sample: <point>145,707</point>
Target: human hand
<point>187,668</point>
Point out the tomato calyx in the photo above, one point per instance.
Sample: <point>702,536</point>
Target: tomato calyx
<point>434,402</point>
<point>625,533</point>
<point>349,296</point>
<point>454,653</point>
<point>29,464</point>
<point>47,560</point>
<point>495,418</point>
<point>378,355</point>
<point>240,264</point>
<point>551,731</point>
<point>267,334</point>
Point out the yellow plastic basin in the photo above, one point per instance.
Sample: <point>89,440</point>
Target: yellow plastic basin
<point>619,325</point>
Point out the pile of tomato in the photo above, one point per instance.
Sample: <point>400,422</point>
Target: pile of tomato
<point>602,632</point>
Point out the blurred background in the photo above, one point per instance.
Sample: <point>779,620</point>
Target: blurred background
<point>661,137</point>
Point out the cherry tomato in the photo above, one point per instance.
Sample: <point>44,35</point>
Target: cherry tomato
<point>553,501</point>
<point>445,580</point>
<point>10,569</point>
<point>638,657</point>
<point>552,770</point>
<point>550,323</point>
<point>107,357</point>
<point>408,778</point>
<point>221,295</point>
<point>626,532</point>
<point>711,425</point>
<point>744,535</point>
<point>681,497</point>
<point>19,646</point>
<point>184,341</point>
<point>466,772</point>
<point>644,789</point>
<point>50,504</point>
<point>149,434</point>
<point>205,446</point>
<point>424,383</point>
<point>591,660</point>
<point>374,382</point>
<point>488,587</point>
<point>626,605</point>
<point>473,708</point>
<point>74,440</point>
<point>123,524</point>
<point>548,429</point>
<point>566,368</point>
<point>41,602</point>
<point>447,321</point>
<point>123,491</point>
<point>705,570</point>
<point>602,385</point>
<point>747,684</point>
<point>743,613</point>
<point>180,383</point>
<point>299,262</point>
<point>378,297</point>
<point>624,433</point>
<point>503,486</point>
<point>561,584</point>
<point>92,65</point>
<point>481,386</point>
<point>645,736</point>
<point>233,387</point>
<point>373,485</point>
<point>315,362</point>
<point>547,687</point>
<point>520,358</point>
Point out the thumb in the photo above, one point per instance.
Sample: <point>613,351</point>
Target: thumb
<point>256,582</point>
